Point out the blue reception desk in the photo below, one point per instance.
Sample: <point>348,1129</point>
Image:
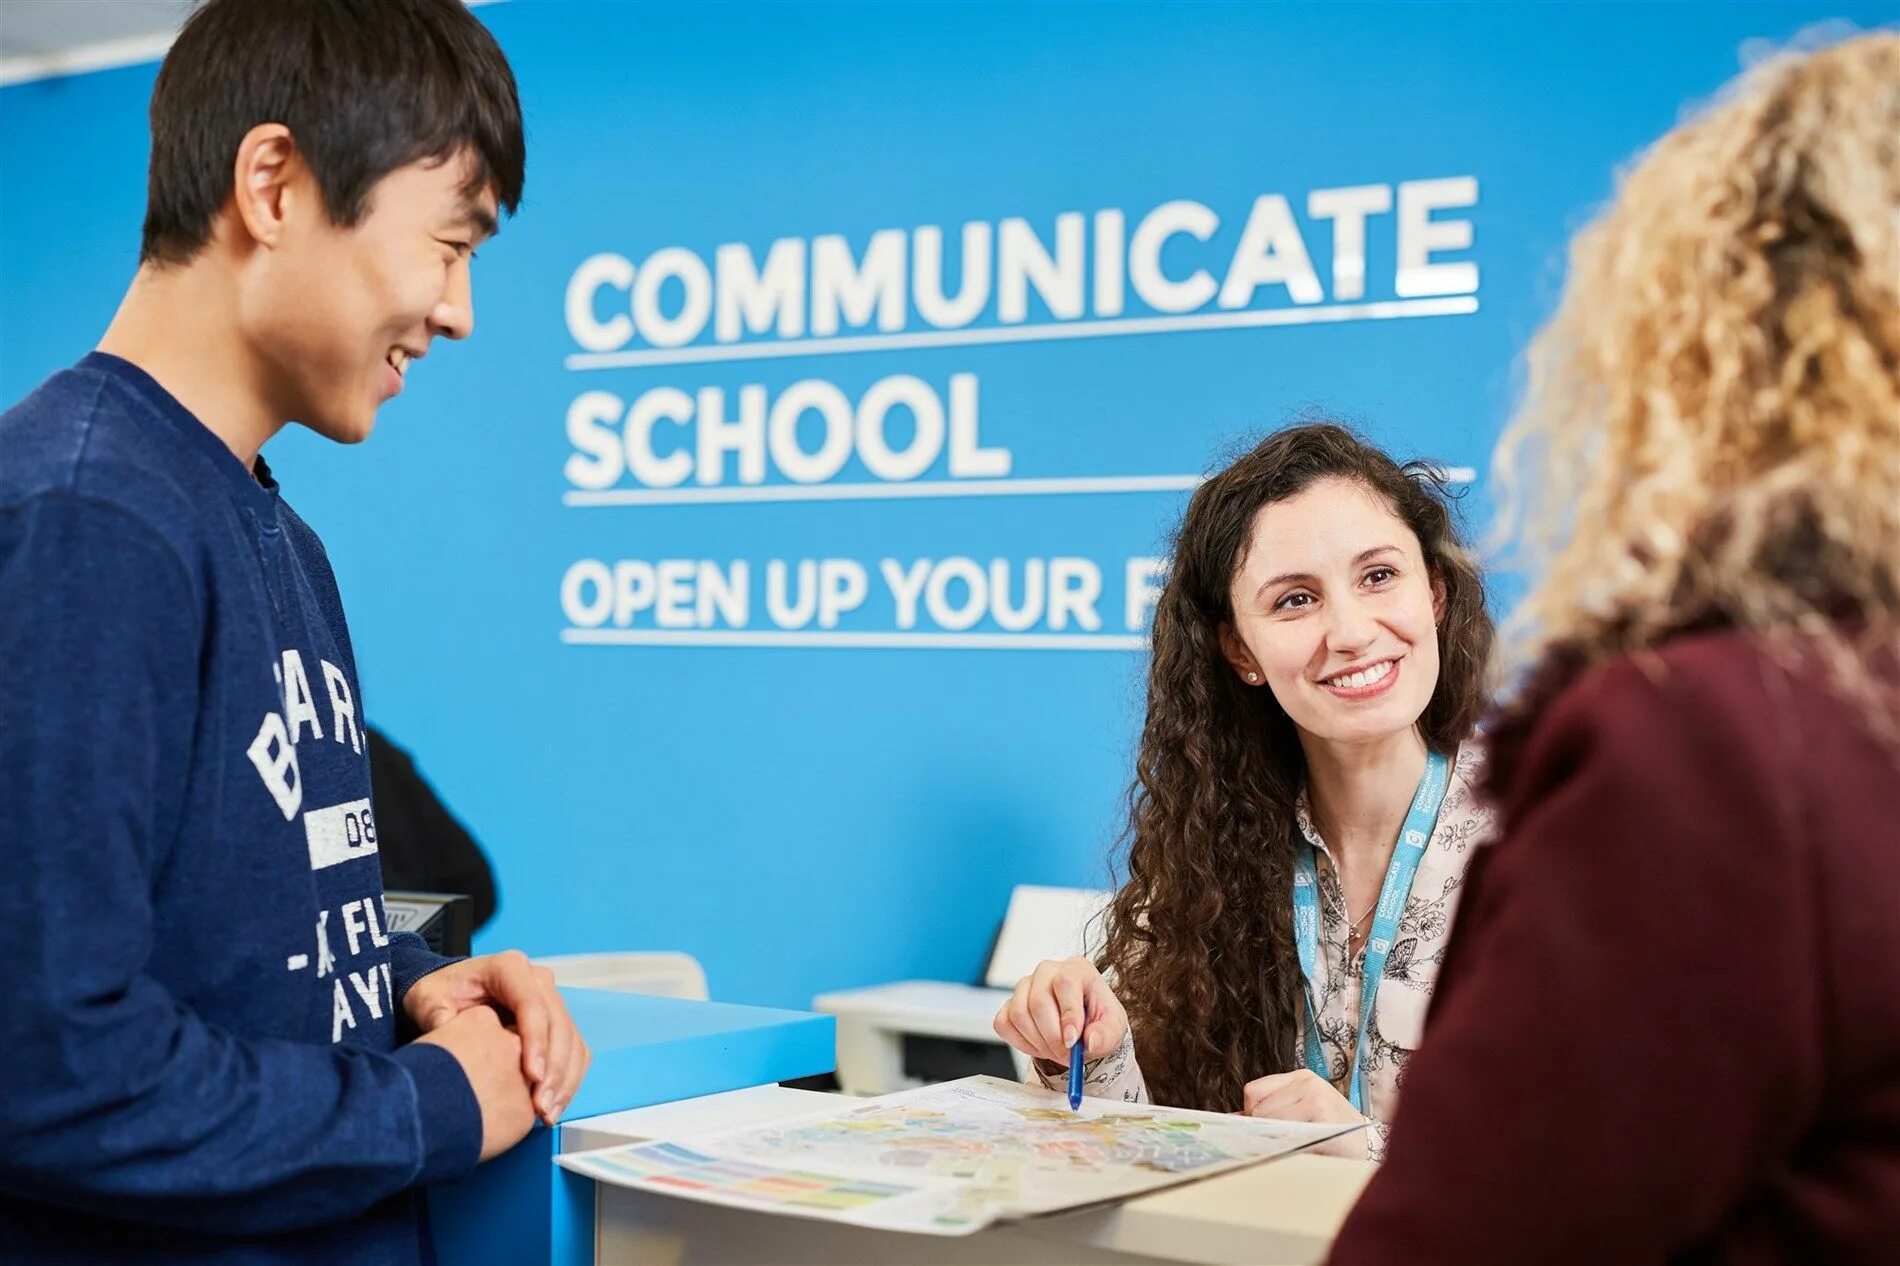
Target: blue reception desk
<point>524,1210</point>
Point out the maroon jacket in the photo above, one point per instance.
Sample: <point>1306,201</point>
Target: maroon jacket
<point>1668,1027</point>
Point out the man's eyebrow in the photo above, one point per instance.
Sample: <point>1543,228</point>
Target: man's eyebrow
<point>477,218</point>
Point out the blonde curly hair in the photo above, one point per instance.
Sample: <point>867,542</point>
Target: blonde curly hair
<point>1711,426</point>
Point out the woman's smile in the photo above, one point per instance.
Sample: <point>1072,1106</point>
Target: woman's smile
<point>1368,681</point>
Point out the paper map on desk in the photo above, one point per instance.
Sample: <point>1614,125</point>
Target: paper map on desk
<point>949,1159</point>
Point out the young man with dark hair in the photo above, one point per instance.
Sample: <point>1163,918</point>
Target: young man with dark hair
<point>204,1009</point>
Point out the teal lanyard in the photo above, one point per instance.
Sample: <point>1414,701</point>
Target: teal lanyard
<point>1399,872</point>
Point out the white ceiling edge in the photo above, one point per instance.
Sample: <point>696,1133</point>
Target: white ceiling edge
<point>78,60</point>
<point>101,55</point>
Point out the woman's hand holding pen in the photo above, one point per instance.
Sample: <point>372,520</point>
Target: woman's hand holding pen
<point>1046,1013</point>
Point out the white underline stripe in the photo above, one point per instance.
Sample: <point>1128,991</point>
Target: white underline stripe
<point>883,491</point>
<point>859,641</point>
<point>724,495</point>
<point>1395,309</point>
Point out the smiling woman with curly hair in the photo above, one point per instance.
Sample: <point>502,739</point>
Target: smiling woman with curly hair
<point>1319,662</point>
<point>1668,1029</point>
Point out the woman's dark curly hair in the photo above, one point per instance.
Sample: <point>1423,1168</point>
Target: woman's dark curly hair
<point>1200,938</point>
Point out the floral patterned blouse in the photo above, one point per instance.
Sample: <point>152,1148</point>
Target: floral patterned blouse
<point>1464,822</point>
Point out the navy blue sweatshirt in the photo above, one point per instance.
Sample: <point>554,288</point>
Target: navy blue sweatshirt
<point>198,994</point>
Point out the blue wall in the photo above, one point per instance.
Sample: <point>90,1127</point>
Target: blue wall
<point>812,818</point>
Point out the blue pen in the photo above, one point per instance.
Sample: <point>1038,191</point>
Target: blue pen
<point>1075,1062</point>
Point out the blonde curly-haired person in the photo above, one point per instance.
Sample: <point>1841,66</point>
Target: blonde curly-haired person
<point>1680,964</point>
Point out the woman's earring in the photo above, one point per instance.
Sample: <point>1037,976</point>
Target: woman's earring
<point>1253,678</point>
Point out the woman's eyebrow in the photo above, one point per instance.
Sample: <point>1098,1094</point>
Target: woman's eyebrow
<point>1283,578</point>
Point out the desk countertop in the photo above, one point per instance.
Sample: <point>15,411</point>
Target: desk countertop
<point>1282,1211</point>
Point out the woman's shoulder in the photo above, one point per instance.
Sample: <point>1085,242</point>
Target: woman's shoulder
<point>1467,767</point>
<point>1466,819</point>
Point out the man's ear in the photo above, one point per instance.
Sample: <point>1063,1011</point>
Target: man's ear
<point>262,182</point>
<point>1238,656</point>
